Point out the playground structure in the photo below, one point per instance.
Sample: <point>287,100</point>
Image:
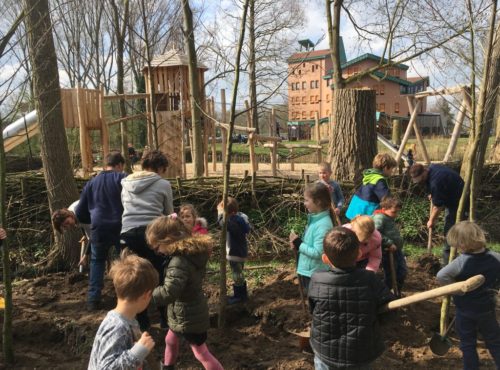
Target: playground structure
<point>167,90</point>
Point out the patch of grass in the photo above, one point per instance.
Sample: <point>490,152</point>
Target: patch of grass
<point>414,251</point>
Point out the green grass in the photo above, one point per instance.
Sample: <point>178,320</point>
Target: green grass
<point>413,251</point>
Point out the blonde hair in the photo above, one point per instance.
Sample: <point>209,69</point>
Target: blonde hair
<point>133,276</point>
<point>363,226</point>
<point>325,166</point>
<point>165,230</point>
<point>383,160</point>
<point>466,236</point>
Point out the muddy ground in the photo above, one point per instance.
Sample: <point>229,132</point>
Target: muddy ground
<point>52,330</point>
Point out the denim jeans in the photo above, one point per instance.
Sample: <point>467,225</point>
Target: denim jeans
<point>98,258</point>
<point>399,265</point>
<point>320,365</point>
<point>467,326</point>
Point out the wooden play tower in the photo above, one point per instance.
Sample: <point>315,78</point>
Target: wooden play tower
<point>167,83</point>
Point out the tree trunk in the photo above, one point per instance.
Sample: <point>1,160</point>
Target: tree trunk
<point>495,153</point>
<point>194,90</point>
<point>353,141</point>
<point>251,66</point>
<point>61,187</point>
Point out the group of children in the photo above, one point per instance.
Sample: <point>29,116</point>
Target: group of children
<point>336,267</point>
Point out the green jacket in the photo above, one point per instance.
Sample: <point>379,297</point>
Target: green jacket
<point>187,309</point>
<point>388,229</point>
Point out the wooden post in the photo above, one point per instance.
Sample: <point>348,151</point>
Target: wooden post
<point>104,127</point>
<point>418,135</point>
<point>251,146</point>
<point>274,158</point>
<point>396,132</point>
<point>292,160</point>
<point>459,119</point>
<point>223,131</point>
<point>408,130</point>
<point>318,135</point>
<point>83,131</point>
<point>206,131</point>
<point>214,143</point>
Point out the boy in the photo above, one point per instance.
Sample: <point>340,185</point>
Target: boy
<point>344,302</point>
<point>118,343</point>
<point>475,311</point>
<point>392,242</point>
<point>238,227</point>
<point>367,198</point>
<point>324,174</point>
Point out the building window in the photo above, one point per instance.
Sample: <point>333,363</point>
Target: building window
<point>327,82</point>
<point>396,107</point>
<point>375,87</point>
<point>304,85</point>
<point>311,99</point>
<point>312,84</point>
<point>299,71</point>
<point>381,107</point>
<point>304,65</point>
<point>312,114</point>
<point>382,89</point>
<point>317,98</point>
<point>304,116</point>
<point>303,100</point>
<point>293,86</point>
<point>316,84</point>
<point>297,86</point>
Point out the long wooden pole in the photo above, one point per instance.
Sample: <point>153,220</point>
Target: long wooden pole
<point>418,135</point>
<point>408,131</point>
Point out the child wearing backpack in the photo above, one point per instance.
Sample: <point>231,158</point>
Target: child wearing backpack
<point>181,291</point>
<point>318,203</point>
<point>367,198</point>
<point>475,311</point>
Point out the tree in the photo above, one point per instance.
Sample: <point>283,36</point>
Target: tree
<point>194,90</point>
<point>443,108</point>
<point>61,187</point>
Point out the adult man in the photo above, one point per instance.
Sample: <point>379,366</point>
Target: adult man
<point>100,202</point>
<point>445,187</point>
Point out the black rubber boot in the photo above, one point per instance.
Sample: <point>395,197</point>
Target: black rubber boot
<point>240,294</point>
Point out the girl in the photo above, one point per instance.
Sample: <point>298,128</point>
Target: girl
<point>370,242</point>
<point>190,219</point>
<point>318,203</point>
<point>182,291</point>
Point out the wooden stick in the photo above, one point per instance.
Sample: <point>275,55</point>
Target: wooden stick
<point>395,289</point>
<point>459,288</point>
<point>429,238</point>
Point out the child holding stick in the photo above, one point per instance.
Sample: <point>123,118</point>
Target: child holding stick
<point>320,220</point>
<point>475,311</point>
<point>324,174</point>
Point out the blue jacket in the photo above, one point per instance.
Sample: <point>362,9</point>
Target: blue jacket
<point>337,196</point>
<point>445,186</point>
<point>238,227</point>
<point>311,248</point>
<point>466,265</point>
<point>367,198</point>
<point>101,200</point>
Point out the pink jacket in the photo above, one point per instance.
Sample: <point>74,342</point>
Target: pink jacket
<point>371,250</point>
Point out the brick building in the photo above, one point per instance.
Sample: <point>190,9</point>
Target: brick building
<point>310,90</point>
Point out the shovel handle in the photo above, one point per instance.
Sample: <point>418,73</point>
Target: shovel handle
<point>394,282</point>
<point>459,288</point>
<point>429,233</point>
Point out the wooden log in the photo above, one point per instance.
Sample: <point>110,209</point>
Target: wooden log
<point>83,133</point>
<point>444,91</point>
<point>457,128</point>
<point>223,130</point>
<point>259,137</point>
<point>128,118</point>
<point>126,96</point>
<point>406,136</point>
<point>212,130</point>
<point>459,288</point>
<point>396,132</point>
<point>104,127</point>
<point>318,136</point>
<point>420,140</point>
<point>253,160</point>
<point>236,127</point>
<point>292,160</point>
<point>274,155</point>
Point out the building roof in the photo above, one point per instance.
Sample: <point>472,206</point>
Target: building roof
<point>369,56</point>
<point>417,79</point>
<point>172,58</point>
<point>317,54</point>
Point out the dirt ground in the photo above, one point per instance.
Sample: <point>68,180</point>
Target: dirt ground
<point>52,330</point>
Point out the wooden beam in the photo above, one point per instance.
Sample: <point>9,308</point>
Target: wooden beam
<point>418,135</point>
<point>126,96</point>
<point>317,128</point>
<point>259,137</point>
<point>223,131</point>
<point>444,91</point>
<point>128,118</point>
<point>408,130</point>
<point>104,126</point>
<point>457,128</point>
<point>212,130</point>
<point>241,128</point>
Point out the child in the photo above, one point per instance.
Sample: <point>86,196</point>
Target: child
<point>238,227</point>
<point>324,173</point>
<point>475,311</point>
<point>367,198</point>
<point>190,219</point>
<point>344,302</point>
<point>318,203</point>
<point>118,343</point>
<point>182,288</point>
<point>370,240</point>
<point>392,242</point>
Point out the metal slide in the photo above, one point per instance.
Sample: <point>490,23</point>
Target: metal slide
<point>20,130</point>
<point>390,145</point>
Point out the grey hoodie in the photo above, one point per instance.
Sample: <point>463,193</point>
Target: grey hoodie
<point>145,196</point>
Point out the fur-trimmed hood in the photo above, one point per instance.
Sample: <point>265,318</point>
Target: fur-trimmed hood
<point>196,248</point>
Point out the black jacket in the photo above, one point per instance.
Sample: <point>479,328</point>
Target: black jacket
<point>344,304</point>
